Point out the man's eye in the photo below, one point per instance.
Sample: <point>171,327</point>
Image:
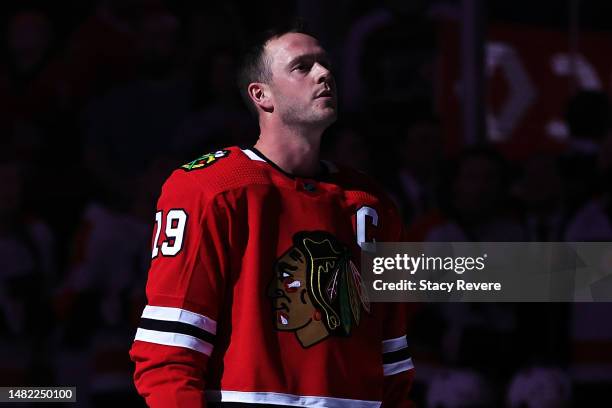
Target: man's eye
<point>302,67</point>
<point>285,275</point>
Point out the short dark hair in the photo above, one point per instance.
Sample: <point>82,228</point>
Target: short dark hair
<point>255,67</point>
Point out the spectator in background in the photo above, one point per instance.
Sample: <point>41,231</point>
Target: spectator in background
<point>540,387</point>
<point>588,117</point>
<point>460,389</point>
<point>542,328</point>
<point>592,341</point>
<point>540,192</point>
<point>588,182</point>
<point>35,120</point>
<point>27,272</point>
<point>476,206</point>
<point>132,124</point>
<point>218,117</point>
<point>376,56</point>
<point>101,299</point>
<point>593,221</point>
<point>419,150</point>
<point>23,100</point>
<point>102,52</point>
<point>29,38</point>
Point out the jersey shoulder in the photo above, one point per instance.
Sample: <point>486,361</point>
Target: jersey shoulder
<point>218,171</point>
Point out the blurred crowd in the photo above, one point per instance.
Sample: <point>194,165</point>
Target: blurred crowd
<point>99,103</point>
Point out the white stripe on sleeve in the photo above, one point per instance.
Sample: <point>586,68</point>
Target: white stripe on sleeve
<point>394,368</point>
<point>392,345</point>
<point>174,339</point>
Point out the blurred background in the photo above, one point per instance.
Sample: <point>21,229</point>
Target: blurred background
<point>485,121</point>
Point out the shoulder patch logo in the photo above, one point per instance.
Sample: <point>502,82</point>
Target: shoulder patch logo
<point>205,160</point>
<point>316,290</point>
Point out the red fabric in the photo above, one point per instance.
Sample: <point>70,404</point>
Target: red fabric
<point>169,376</point>
<point>397,389</point>
<point>242,217</point>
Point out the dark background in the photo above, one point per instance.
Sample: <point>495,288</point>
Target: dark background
<point>100,100</point>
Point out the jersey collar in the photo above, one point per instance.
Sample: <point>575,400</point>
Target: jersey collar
<point>255,155</point>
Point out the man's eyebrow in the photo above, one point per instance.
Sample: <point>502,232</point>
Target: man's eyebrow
<point>310,57</point>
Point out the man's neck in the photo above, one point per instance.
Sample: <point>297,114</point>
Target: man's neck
<point>294,151</point>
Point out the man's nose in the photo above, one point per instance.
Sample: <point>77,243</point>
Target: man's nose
<point>324,75</point>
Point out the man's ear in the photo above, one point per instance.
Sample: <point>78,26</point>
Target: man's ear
<point>261,96</point>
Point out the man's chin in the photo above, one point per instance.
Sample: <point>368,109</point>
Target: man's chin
<point>329,116</point>
<point>321,121</point>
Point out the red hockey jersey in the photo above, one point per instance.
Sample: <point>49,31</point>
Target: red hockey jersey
<point>254,292</point>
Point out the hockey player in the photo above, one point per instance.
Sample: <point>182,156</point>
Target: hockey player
<point>254,291</point>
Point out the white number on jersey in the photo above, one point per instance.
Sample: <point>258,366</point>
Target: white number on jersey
<point>176,220</point>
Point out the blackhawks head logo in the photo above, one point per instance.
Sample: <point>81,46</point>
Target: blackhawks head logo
<point>317,290</point>
<point>205,160</point>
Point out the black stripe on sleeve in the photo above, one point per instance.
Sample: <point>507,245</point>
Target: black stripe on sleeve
<point>177,327</point>
<point>395,356</point>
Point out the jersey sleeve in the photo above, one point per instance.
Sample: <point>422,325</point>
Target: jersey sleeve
<point>185,290</point>
<point>398,368</point>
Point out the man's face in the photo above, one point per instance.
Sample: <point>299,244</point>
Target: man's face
<point>303,89</point>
